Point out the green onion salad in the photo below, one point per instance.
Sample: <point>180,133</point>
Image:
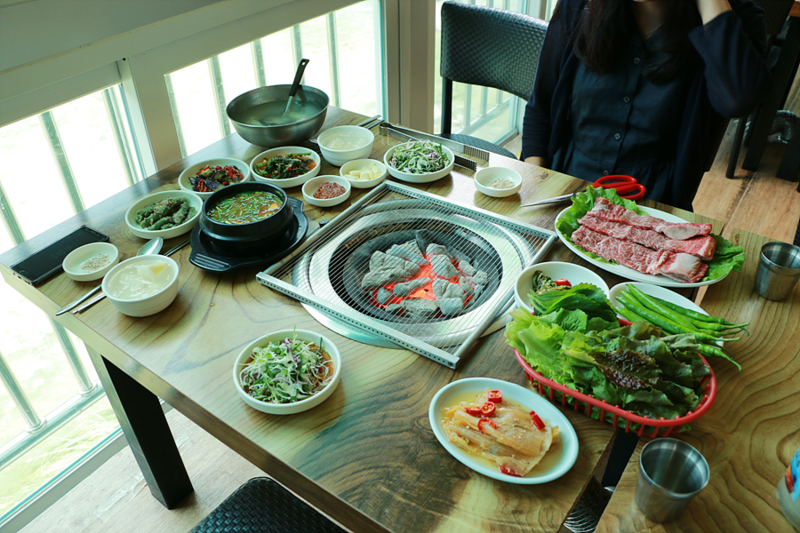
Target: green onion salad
<point>286,371</point>
<point>419,157</point>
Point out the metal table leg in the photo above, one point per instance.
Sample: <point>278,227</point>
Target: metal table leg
<point>145,427</point>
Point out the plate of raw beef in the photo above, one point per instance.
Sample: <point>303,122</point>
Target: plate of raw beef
<point>657,247</point>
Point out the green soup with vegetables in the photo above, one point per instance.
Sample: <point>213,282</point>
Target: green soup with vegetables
<point>246,208</point>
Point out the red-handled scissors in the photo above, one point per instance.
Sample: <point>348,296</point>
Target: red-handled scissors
<point>625,186</point>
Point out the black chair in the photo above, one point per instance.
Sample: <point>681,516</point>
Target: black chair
<point>783,67</point>
<point>263,506</point>
<point>488,47</point>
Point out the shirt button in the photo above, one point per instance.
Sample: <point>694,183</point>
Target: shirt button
<point>617,136</point>
<point>627,99</point>
<point>636,60</point>
<point>606,173</point>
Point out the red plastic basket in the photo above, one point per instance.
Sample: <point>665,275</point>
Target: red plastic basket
<point>660,427</point>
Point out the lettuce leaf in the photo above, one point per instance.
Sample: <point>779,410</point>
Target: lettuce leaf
<point>591,301</point>
<point>726,258</point>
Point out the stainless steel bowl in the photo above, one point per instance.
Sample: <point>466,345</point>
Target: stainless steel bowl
<point>270,135</point>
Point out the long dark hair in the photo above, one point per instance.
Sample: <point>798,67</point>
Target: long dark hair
<point>603,33</point>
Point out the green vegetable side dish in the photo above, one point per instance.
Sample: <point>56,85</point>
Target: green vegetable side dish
<point>165,214</point>
<point>286,371</point>
<point>419,157</point>
<point>246,208</point>
<point>542,284</point>
<point>284,167</point>
<point>726,258</point>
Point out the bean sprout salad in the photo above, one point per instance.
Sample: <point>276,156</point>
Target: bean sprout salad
<point>419,157</point>
<point>286,371</point>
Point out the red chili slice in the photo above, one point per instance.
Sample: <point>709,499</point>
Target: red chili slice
<point>495,396</point>
<point>536,420</point>
<point>505,470</point>
<point>487,409</point>
<point>563,282</point>
<point>483,421</point>
<point>474,411</point>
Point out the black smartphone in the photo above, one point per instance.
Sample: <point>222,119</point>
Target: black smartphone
<point>47,263</point>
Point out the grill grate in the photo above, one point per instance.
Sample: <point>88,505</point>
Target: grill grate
<point>326,272</point>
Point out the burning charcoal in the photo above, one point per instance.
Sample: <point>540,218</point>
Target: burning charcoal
<point>436,249</point>
<point>440,287</point>
<point>384,295</point>
<point>466,285</point>
<point>404,289</point>
<point>376,261</point>
<point>396,262</point>
<point>450,306</point>
<point>423,238</point>
<point>406,253</point>
<point>373,280</point>
<point>443,267</point>
<point>454,290</point>
<point>465,267</point>
<point>481,277</point>
<point>420,307</point>
<point>394,308</point>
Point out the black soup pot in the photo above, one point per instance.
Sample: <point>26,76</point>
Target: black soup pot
<point>242,233</point>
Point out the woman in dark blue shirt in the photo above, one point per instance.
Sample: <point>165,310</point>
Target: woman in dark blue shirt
<point>637,86</point>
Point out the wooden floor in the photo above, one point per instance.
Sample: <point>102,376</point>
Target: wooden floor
<point>116,499</point>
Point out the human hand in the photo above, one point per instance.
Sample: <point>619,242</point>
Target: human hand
<point>709,9</point>
<point>537,161</point>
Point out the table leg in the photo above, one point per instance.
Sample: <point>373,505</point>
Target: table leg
<point>147,432</point>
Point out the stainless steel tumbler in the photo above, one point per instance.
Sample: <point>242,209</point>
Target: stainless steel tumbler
<point>671,473</point>
<point>778,270</point>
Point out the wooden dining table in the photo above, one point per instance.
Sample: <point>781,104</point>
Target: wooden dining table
<point>367,457</point>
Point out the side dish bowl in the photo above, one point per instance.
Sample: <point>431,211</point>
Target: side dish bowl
<point>485,176</point>
<point>72,264</point>
<point>573,273</point>
<point>425,177</point>
<point>195,202</point>
<point>311,187</point>
<point>246,232</point>
<point>359,164</point>
<point>288,408</point>
<point>285,150</point>
<point>149,305</point>
<point>361,139</point>
<point>190,172</point>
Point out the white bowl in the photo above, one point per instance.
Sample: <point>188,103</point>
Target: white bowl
<point>284,150</point>
<point>194,201</point>
<point>288,408</point>
<point>148,305</point>
<point>485,176</point>
<point>72,263</point>
<point>359,164</point>
<point>418,178</point>
<point>457,391</point>
<point>190,172</point>
<point>340,157</point>
<point>311,187</point>
<point>575,274</point>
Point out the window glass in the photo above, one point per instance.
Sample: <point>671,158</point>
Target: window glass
<point>358,75</point>
<point>196,109</point>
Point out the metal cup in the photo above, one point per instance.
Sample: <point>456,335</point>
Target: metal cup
<point>778,270</point>
<point>671,473</point>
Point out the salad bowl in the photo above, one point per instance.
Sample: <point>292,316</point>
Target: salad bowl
<point>421,177</point>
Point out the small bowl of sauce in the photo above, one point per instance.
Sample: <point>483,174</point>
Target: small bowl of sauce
<point>90,261</point>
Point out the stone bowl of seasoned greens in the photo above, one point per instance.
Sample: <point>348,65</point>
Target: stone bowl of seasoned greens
<point>246,212</point>
<point>164,214</point>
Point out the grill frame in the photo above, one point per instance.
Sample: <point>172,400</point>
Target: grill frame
<point>538,241</point>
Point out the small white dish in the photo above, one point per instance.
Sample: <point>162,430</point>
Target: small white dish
<point>573,273</point>
<point>362,137</point>
<point>452,393</point>
<point>190,172</point>
<point>486,175</point>
<point>311,186</point>
<point>285,150</point>
<point>195,202</point>
<point>418,178</point>
<point>73,263</point>
<point>360,164</point>
<point>149,305</point>
<point>288,408</point>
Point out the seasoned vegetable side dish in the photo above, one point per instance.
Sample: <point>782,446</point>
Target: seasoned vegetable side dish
<point>287,371</point>
<point>165,214</point>
<point>246,208</point>
<point>420,157</point>
<point>329,190</point>
<point>210,179</point>
<point>542,283</point>
<point>516,439</point>
<point>284,167</point>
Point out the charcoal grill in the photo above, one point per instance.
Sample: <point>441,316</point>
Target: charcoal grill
<point>325,273</point>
